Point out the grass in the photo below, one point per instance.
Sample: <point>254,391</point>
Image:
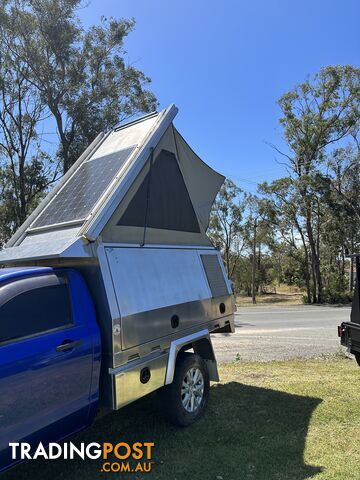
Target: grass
<point>285,295</point>
<point>276,299</point>
<point>288,420</point>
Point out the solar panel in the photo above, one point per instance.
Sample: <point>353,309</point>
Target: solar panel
<point>81,192</point>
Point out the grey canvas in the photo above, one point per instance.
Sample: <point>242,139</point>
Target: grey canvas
<point>162,200</point>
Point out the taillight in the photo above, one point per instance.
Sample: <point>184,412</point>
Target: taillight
<point>341,331</point>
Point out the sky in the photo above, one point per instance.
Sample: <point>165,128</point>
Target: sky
<point>225,63</point>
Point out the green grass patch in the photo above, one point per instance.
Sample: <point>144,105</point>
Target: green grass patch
<point>288,420</point>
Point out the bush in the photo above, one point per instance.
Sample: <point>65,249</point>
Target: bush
<point>332,295</point>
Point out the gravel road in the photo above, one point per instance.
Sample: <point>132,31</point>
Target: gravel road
<point>279,333</point>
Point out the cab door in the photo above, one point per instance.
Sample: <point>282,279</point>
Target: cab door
<point>46,358</point>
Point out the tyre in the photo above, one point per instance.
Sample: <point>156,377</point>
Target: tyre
<point>357,358</point>
<point>184,400</point>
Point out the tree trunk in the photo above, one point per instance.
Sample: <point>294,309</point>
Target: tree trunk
<point>306,261</point>
<point>253,273</point>
<point>65,144</point>
<point>351,275</point>
<point>227,260</point>
<point>313,284</point>
<point>342,272</point>
<point>22,192</point>
<point>317,297</point>
<point>307,276</point>
<point>259,279</point>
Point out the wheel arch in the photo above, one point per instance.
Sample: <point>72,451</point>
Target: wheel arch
<point>201,343</point>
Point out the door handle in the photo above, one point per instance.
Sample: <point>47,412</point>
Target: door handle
<point>68,345</point>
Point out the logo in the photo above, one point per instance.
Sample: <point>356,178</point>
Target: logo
<point>117,458</point>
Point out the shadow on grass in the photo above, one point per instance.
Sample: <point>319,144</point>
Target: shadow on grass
<point>246,433</point>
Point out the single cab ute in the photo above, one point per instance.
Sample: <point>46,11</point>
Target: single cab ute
<point>112,289</point>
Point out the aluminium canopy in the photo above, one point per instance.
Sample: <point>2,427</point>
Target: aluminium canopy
<point>138,184</point>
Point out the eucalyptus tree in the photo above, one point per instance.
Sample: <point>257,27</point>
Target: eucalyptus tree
<point>282,200</point>
<point>258,232</point>
<point>226,224</point>
<point>25,169</point>
<point>315,115</point>
<point>343,201</point>
<point>81,73</point>
<point>57,75</point>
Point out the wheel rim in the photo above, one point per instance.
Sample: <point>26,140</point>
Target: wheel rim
<point>192,390</point>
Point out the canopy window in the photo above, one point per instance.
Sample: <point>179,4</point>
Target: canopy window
<point>162,200</point>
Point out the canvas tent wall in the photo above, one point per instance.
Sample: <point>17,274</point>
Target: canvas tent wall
<point>139,184</point>
<point>170,200</point>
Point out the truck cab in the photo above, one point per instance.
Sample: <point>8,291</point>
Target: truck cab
<point>50,354</point>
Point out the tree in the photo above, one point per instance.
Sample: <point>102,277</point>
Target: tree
<point>225,227</point>
<point>284,207</point>
<point>343,202</point>
<point>25,167</point>
<point>315,115</point>
<point>256,234</point>
<point>54,72</point>
<point>81,74</point>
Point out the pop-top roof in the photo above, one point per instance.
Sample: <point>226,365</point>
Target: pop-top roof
<point>140,183</point>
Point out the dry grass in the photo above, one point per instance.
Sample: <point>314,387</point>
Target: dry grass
<point>275,299</point>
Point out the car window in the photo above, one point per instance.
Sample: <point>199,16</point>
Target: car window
<point>35,311</point>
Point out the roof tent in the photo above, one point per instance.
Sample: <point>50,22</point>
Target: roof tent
<point>139,184</point>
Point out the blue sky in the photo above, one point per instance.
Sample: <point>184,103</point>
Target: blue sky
<point>225,63</point>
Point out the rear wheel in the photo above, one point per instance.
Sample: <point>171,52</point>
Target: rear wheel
<point>184,401</point>
<point>357,357</point>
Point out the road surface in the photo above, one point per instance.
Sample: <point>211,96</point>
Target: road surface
<point>280,333</point>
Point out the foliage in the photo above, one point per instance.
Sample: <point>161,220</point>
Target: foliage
<point>308,221</point>
<point>315,115</point>
<point>225,228</point>
<point>56,74</point>
<point>81,74</point>
<point>25,169</point>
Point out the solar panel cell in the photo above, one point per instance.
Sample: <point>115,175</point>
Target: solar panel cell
<point>81,192</point>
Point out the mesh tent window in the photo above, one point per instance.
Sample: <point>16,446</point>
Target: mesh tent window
<point>162,200</point>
